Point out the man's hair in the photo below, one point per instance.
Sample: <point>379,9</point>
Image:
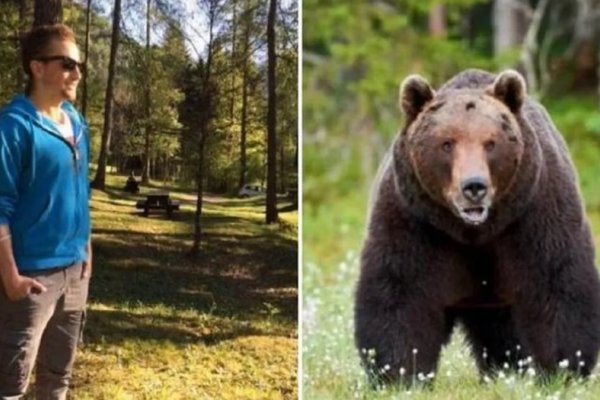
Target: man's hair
<point>36,44</point>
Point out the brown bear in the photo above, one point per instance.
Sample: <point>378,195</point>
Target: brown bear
<point>476,220</point>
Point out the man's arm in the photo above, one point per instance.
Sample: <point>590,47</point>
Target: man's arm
<point>15,285</point>
<point>13,155</point>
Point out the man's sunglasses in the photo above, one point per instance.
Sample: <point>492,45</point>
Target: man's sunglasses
<point>67,63</point>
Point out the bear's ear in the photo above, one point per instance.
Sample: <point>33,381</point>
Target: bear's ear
<point>509,87</point>
<point>415,92</point>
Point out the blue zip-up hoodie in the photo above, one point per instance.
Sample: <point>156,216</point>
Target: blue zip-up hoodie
<point>44,187</point>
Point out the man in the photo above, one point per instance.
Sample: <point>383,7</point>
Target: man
<point>45,250</point>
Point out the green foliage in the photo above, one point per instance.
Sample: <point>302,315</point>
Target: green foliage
<point>576,117</point>
<point>287,114</point>
<point>222,99</point>
<point>592,124</point>
<point>10,64</point>
<point>157,72</point>
<point>97,66</point>
<point>189,116</point>
<point>162,70</point>
<point>355,56</point>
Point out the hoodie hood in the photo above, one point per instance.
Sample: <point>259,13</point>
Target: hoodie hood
<point>22,106</point>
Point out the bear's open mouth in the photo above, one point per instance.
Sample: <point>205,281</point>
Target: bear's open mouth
<point>474,215</point>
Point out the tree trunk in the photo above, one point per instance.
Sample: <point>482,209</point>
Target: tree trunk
<point>86,51</point>
<point>47,12</point>
<point>166,169</point>
<point>22,5</point>
<point>510,24</point>
<point>437,21</point>
<point>556,27</point>
<point>199,191</point>
<point>282,187</point>
<point>120,160</point>
<point>271,208</point>
<point>244,122</point>
<point>205,116</point>
<point>100,179</point>
<point>146,169</point>
<point>232,87</point>
<point>586,39</point>
<point>598,75</point>
<point>530,49</point>
<point>233,60</point>
<point>263,176</point>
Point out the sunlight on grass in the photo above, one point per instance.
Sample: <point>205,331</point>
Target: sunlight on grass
<point>163,325</point>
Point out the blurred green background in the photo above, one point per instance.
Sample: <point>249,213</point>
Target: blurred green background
<point>355,54</point>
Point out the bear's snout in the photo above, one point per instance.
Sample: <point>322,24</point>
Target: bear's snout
<point>474,189</point>
<point>472,199</point>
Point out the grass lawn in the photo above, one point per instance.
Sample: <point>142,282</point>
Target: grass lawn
<point>162,325</point>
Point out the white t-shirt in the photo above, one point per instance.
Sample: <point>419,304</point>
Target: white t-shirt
<point>65,128</point>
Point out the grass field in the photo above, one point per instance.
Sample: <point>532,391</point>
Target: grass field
<point>162,325</point>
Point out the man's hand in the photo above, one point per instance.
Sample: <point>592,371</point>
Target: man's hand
<point>20,286</point>
<point>86,270</point>
<point>15,285</point>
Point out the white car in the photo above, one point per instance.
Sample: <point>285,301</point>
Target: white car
<point>250,190</point>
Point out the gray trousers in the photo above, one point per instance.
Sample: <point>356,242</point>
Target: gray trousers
<point>45,327</point>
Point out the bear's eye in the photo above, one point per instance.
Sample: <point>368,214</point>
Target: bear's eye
<point>490,145</point>
<point>447,146</point>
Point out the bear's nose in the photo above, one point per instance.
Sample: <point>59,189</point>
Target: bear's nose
<point>474,188</point>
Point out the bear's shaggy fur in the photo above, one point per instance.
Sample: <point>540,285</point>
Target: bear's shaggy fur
<point>476,219</point>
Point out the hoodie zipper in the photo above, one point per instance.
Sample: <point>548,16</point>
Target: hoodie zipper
<point>75,152</point>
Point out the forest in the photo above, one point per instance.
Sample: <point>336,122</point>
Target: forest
<point>188,87</point>
<point>355,55</point>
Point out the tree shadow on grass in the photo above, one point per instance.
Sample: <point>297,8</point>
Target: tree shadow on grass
<point>158,277</point>
<point>160,272</point>
<point>114,327</point>
<point>247,202</point>
<point>245,274</point>
<point>282,201</point>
